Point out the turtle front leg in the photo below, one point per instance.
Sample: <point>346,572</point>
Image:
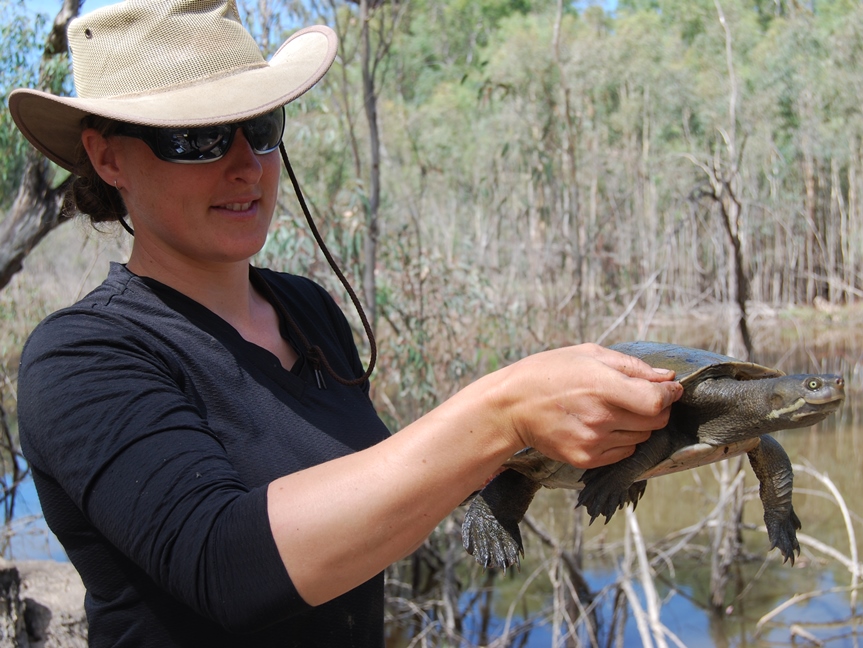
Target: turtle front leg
<point>612,487</point>
<point>490,530</point>
<point>773,469</point>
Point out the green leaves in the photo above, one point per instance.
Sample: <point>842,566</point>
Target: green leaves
<point>23,39</point>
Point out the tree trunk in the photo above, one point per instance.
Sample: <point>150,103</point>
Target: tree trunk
<point>36,211</point>
<point>374,194</point>
<point>739,338</point>
<point>38,207</point>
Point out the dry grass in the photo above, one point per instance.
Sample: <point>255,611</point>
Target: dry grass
<point>67,264</point>
<point>74,258</point>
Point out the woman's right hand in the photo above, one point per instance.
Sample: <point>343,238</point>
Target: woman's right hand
<point>585,405</point>
<point>339,523</point>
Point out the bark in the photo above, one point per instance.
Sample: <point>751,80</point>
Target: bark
<point>41,605</point>
<point>37,210</point>
<point>374,194</point>
<point>38,207</point>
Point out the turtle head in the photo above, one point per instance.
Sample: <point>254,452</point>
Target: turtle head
<point>805,399</point>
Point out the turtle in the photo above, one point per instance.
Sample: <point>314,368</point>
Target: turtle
<point>728,408</point>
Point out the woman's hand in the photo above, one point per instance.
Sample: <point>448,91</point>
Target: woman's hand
<point>339,523</point>
<point>585,405</point>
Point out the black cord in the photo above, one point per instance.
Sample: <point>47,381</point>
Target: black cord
<point>316,353</point>
<point>126,226</point>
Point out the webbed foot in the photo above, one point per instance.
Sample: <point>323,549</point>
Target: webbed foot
<point>490,530</point>
<point>783,534</point>
<point>487,540</point>
<point>603,493</point>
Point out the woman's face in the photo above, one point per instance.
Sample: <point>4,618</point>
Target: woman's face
<point>212,213</point>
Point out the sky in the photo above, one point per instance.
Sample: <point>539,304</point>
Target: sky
<point>51,7</point>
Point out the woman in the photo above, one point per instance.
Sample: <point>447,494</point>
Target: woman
<point>210,488</point>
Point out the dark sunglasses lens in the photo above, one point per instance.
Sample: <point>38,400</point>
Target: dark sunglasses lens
<point>200,144</point>
<point>208,143</point>
<point>265,132</point>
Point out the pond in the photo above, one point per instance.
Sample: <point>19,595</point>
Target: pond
<point>759,584</point>
<point>647,575</point>
<point>28,535</point>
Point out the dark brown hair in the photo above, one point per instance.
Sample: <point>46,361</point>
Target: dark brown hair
<point>89,194</point>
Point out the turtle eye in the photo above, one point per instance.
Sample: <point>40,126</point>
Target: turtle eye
<point>814,384</point>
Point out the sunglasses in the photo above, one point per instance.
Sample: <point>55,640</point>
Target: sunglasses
<point>201,144</point>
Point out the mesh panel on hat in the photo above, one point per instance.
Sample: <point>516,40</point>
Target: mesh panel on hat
<point>142,46</point>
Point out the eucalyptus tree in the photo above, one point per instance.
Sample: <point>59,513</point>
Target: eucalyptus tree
<point>38,204</point>
<point>846,100</point>
<point>807,71</point>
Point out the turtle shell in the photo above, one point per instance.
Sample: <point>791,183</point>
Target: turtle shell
<point>694,365</point>
<point>690,366</point>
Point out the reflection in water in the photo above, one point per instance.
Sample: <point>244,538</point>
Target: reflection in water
<point>462,606</point>
<point>766,602</point>
<point>813,601</point>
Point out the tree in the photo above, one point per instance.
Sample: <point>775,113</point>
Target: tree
<point>378,23</point>
<point>38,206</point>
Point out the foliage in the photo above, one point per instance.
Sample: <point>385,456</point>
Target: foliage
<point>544,175</point>
<point>543,171</point>
<point>23,36</point>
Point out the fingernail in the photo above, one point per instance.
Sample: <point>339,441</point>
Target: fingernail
<point>662,371</point>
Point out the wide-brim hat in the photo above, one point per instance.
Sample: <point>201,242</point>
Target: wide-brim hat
<point>168,63</point>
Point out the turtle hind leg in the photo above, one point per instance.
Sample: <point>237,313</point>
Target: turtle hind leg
<point>773,469</point>
<point>490,530</point>
<point>490,542</point>
<point>612,487</point>
<point>603,494</point>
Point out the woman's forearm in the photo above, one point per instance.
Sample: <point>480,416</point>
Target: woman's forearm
<point>339,523</point>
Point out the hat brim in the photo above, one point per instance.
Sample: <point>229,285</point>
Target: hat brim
<point>53,124</point>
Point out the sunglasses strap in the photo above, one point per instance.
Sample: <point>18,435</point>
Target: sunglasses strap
<point>315,353</point>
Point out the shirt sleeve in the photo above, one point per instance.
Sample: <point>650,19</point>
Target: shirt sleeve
<point>118,426</point>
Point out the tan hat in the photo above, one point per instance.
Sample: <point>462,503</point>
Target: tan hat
<point>169,63</point>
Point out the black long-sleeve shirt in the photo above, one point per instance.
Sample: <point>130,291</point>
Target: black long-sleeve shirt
<point>153,428</point>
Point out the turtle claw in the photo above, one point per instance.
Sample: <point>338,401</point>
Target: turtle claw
<point>636,491</point>
<point>592,517</point>
<point>489,541</point>
<point>602,494</point>
<point>783,535</point>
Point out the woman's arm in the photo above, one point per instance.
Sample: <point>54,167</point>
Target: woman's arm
<point>340,523</point>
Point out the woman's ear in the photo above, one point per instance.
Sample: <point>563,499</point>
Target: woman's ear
<point>102,154</point>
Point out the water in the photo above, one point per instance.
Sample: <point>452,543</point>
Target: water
<point>821,610</point>
<point>30,538</point>
<point>524,602</point>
